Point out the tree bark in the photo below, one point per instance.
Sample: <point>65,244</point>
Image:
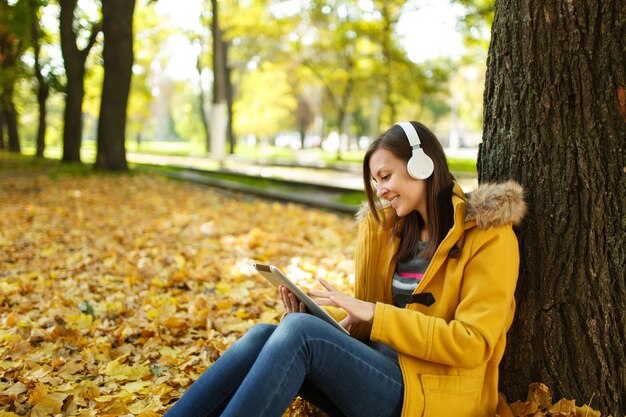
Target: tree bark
<point>13,41</point>
<point>230,96</point>
<point>42,85</point>
<point>202,100</point>
<point>74,62</point>
<point>10,118</point>
<point>2,145</point>
<point>555,123</point>
<point>219,109</point>
<point>117,26</point>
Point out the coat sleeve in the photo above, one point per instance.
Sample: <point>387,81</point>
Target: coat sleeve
<point>483,313</point>
<point>362,260</point>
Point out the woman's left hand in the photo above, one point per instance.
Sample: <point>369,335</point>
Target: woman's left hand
<point>358,310</point>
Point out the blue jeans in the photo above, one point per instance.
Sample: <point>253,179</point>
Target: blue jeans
<point>264,370</point>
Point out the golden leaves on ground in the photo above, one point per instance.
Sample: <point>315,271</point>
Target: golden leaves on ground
<point>539,404</point>
<point>117,292</point>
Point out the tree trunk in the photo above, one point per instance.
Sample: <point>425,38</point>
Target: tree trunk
<point>74,62</point>
<point>10,116</point>
<point>42,97</point>
<point>117,26</point>
<point>387,51</point>
<point>230,96</point>
<point>343,108</point>
<point>555,123</point>
<point>42,85</point>
<point>2,145</point>
<point>202,100</point>
<point>219,109</point>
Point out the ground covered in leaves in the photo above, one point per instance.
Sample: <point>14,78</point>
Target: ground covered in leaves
<point>118,291</point>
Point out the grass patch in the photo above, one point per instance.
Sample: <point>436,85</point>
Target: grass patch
<point>260,153</point>
<point>354,198</point>
<point>465,165</point>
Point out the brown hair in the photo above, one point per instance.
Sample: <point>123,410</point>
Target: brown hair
<point>438,191</point>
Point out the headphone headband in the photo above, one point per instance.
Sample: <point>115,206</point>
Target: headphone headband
<point>411,134</point>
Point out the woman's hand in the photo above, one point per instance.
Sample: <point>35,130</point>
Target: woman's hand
<point>358,311</point>
<point>290,302</point>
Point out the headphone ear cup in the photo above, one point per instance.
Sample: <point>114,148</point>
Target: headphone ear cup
<point>420,166</point>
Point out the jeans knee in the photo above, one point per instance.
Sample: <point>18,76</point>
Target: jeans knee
<point>298,322</point>
<point>261,330</point>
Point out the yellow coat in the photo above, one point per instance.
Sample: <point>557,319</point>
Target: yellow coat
<point>449,352</point>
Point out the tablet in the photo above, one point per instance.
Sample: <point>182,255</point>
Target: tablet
<point>276,277</point>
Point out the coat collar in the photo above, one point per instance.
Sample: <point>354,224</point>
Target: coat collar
<point>495,205</point>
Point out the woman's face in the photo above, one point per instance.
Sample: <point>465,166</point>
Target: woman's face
<point>394,184</point>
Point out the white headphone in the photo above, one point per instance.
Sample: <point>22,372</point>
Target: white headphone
<point>420,166</point>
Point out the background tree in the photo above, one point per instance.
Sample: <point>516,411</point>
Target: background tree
<point>14,39</point>
<point>151,31</point>
<point>554,121</point>
<point>2,145</point>
<point>117,26</point>
<point>390,52</point>
<point>219,110</point>
<point>74,62</point>
<point>253,36</point>
<point>339,47</point>
<point>43,88</point>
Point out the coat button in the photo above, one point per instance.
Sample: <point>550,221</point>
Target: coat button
<point>454,253</point>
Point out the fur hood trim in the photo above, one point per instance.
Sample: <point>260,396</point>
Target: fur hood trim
<point>494,205</point>
<point>490,205</point>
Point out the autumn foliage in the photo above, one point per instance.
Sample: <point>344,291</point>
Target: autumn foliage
<point>117,292</point>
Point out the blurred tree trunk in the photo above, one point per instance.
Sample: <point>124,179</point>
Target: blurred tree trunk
<point>202,98</point>
<point>555,120</point>
<point>388,23</point>
<point>344,102</point>
<point>304,118</point>
<point>117,26</point>
<point>230,134</point>
<point>10,118</point>
<point>219,109</point>
<point>42,85</point>
<point>14,34</point>
<point>74,62</point>
<point>2,145</point>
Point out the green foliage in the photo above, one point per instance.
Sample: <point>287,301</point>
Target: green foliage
<point>266,103</point>
<point>14,39</point>
<point>476,24</point>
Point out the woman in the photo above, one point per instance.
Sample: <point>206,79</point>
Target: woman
<point>435,279</point>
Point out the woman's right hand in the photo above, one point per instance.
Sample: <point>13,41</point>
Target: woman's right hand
<point>290,302</point>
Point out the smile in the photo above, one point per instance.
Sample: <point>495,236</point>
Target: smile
<point>394,200</point>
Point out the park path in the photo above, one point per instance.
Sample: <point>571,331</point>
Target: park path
<point>349,176</point>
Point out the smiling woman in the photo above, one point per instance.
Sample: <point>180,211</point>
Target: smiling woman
<point>427,325</point>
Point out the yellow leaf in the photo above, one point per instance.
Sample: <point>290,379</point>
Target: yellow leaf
<point>104,398</point>
<point>223,288</point>
<point>146,414</point>
<point>43,403</point>
<point>175,323</point>
<point>563,408</point>
<point>16,389</point>
<point>242,314</point>
<point>584,411</point>
<point>136,386</point>
<point>180,260</point>
<point>122,372</point>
